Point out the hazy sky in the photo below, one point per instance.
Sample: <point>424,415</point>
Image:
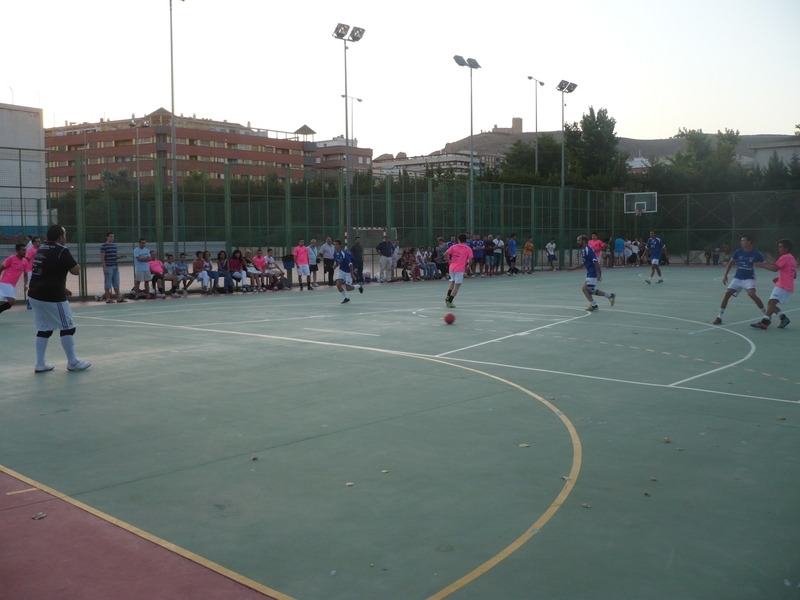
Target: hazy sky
<point>656,65</point>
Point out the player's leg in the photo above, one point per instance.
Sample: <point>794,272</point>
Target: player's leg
<point>730,292</point>
<point>752,293</point>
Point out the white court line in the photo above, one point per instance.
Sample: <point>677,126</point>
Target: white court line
<point>725,326</point>
<point>612,380</point>
<point>414,354</point>
<point>505,337</point>
<point>345,332</point>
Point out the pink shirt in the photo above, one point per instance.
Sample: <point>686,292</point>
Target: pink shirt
<point>788,271</point>
<point>156,266</point>
<point>459,256</point>
<point>301,255</point>
<point>13,268</point>
<point>260,262</point>
<point>597,246</point>
<point>236,264</point>
<point>30,253</point>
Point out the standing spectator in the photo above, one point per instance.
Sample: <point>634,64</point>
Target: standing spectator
<point>108,258</point>
<point>48,293</point>
<point>715,254</point>
<point>313,261</point>
<point>619,251</point>
<point>655,246</point>
<point>477,255</point>
<point>357,250</point>
<point>141,270</point>
<point>458,257</point>
<point>593,274</point>
<point>397,252</point>
<point>10,271</point>
<point>596,244</point>
<point>786,268</point>
<point>385,250</point>
<point>499,255</point>
<point>550,248</point>
<point>512,255</point>
<point>527,256</point>
<point>745,258</point>
<point>300,253</point>
<point>488,256</point>
<point>344,281</point>
<point>329,265</point>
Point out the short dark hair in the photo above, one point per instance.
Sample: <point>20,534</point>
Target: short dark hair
<point>170,256</point>
<point>55,232</point>
<point>108,233</point>
<point>748,237</point>
<point>462,237</point>
<point>199,253</point>
<point>786,243</point>
<point>337,242</point>
<point>18,246</point>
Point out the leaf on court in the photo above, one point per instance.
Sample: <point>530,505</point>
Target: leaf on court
<point>565,478</point>
<point>524,445</point>
<point>385,471</point>
<point>586,505</point>
<point>254,457</point>
<point>665,440</point>
<point>781,418</point>
<point>653,479</point>
<point>349,484</point>
<point>39,516</point>
<point>647,494</point>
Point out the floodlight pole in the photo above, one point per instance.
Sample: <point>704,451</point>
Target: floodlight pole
<point>174,143</point>
<point>536,118</point>
<point>135,125</point>
<point>472,64</point>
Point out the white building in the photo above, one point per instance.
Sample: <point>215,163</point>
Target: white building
<point>416,166</point>
<point>23,181</point>
<point>785,150</point>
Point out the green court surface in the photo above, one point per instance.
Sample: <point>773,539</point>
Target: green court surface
<point>529,450</point>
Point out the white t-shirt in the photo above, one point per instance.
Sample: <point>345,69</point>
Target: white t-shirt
<point>551,248</point>
<point>500,245</point>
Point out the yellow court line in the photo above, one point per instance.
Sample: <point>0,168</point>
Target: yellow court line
<point>33,489</point>
<point>196,558</point>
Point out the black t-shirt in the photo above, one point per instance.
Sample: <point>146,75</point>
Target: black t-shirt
<point>51,264</point>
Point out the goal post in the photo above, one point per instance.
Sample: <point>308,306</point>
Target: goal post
<point>370,237</point>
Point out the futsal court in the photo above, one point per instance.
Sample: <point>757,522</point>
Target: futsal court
<point>313,450</point>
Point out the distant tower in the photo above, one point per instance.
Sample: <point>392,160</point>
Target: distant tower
<point>516,125</point>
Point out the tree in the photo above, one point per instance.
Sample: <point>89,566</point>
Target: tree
<point>519,163</point>
<point>592,146</point>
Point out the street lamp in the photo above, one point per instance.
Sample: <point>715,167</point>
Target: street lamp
<point>356,33</point>
<point>174,143</point>
<point>565,87</point>
<point>135,124</point>
<point>472,64</point>
<point>536,117</point>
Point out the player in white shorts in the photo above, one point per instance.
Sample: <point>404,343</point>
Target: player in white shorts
<point>786,268</point>
<point>744,279</point>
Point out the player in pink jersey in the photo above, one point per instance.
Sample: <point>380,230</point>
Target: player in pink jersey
<point>300,253</point>
<point>786,268</point>
<point>11,270</point>
<point>459,257</point>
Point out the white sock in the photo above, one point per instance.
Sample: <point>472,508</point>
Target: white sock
<point>764,311</point>
<point>608,294</point>
<point>68,343</point>
<point>344,293</point>
<point>41,348</point>
<point>721,310</point>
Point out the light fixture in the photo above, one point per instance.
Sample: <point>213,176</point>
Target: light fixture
<point>341,31</point>
<point>356,34</point>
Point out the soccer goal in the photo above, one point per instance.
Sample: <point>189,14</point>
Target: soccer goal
<point>371,237</point>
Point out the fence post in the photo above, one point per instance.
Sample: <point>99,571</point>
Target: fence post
<point>389,219</point>
<point>430,211</point>
<point>228,228</point>
<point>561,228</point>
<point>688,251</point>
<point>80,218</point>
<point>287,195</point>
<point>159,202</point>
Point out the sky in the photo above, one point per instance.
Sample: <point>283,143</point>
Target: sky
<point>655,65</point>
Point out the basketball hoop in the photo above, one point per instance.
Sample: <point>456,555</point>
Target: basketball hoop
<point>639,212</point>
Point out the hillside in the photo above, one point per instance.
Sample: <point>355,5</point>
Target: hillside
<point>498,144</point>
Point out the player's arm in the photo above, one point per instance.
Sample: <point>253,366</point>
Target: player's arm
<point>764,265</point>
<point>103,261</point>
<point>599,271</point>
<point>727,270</point>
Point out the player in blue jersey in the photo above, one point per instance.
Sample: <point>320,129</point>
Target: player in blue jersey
<point>477,246</point>
<point>593,274</point>
<point>745,258</point>
<point>655,247</point>
<point>346,263</point>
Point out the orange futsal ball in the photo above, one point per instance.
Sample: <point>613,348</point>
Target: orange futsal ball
<point>449,318</point>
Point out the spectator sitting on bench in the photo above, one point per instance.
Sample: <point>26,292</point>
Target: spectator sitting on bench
<point>224,270</point>
<point>275,273</point>
<point>157,272</point>
<point>183,274</point>
<point>238,271</point>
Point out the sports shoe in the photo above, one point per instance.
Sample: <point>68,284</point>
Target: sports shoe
<point>449,304</point>
<point>647,281</point>
<point>760,325</point>
<point>611,299</point>
<point>784,322</point>
<point>717,321</point>
<point>346,300</point>
<point>43,368</point>
<point>81,365</point>
<point>121,300</point>
<point>184,292</point>
<point>301,287</point>
<point>660,281</point>
<point>591,308</point>
<point>361,289</point>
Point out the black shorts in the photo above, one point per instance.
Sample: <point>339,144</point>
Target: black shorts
<point>478,260</point>
<point>313,268</point>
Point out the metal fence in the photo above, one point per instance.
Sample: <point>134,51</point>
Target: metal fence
<point>251,213</point>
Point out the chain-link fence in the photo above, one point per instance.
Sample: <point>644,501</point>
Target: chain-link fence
<point>266,211</point>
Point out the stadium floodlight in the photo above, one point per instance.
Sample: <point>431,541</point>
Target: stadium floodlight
<point>341,31</point>
<point>565,87</point>
<point>355,35</point>
<point>472,64</point>
<point>536,116</point>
